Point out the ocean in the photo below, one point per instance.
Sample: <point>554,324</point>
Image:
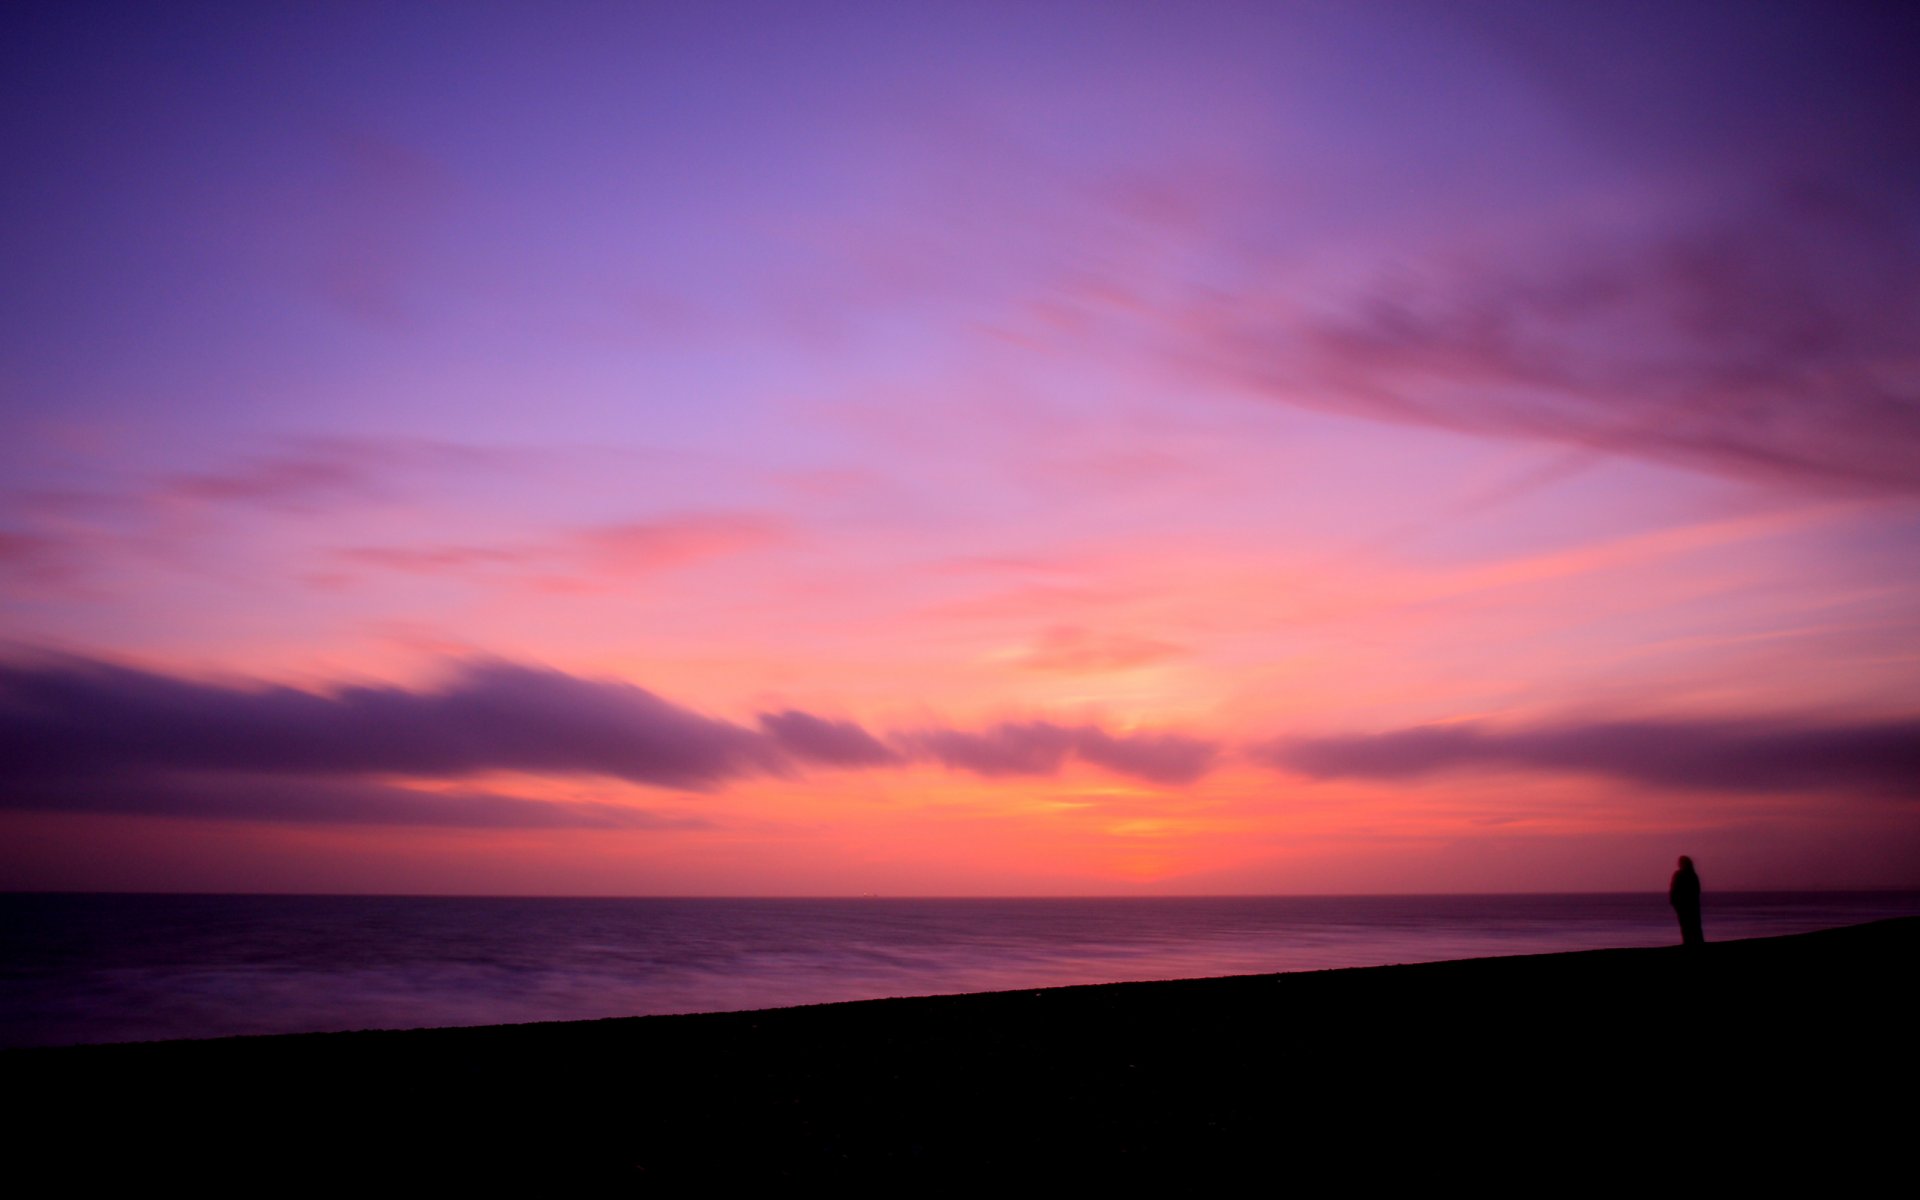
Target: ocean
<point>77,968</point>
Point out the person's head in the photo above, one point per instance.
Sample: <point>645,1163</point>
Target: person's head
<point>1686,864</point>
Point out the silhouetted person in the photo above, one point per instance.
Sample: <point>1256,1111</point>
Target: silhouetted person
<point>1684,894</point>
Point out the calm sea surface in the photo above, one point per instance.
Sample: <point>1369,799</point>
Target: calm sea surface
<point>105,968</point>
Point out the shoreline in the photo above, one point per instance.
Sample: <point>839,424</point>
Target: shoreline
<point>1569,1050</point>
<point>99,969</point>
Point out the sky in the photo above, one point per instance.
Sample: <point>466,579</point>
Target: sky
<point>947,449</point>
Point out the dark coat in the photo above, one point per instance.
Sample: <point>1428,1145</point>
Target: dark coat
<point>1684,892</point>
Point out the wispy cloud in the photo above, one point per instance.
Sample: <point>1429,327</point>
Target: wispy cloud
<point>1770,343</point>
<point>433,560</point>
<point>584,559</point>
<point>295,480</point>
<point>311,474</point>
<point>639,546</point>
<point>34,558</point>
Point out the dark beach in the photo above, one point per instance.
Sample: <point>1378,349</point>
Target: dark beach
<point>1755,1060</point>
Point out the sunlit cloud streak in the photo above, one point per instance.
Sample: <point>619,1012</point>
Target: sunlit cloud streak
<point>1765,756</point>
<point>1072,650</point>
<point>650,545</point>
<point>433,560</point>
<point>587,557</point>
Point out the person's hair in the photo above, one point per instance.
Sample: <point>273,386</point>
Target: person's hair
<point>1686,862</point>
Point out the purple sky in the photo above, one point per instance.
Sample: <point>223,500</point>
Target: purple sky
<point>1038,448</point>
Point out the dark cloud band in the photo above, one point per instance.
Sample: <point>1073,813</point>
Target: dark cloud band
<point>1700,755</point>
<point>84,735</point>
<point>1042,747</point>
<point>89,717</point>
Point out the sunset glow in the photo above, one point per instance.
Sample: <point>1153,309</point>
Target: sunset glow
<point>830,449</point>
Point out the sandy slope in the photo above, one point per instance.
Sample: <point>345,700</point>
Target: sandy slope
<point>1776,1060</point>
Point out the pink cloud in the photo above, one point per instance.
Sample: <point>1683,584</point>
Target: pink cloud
<point>35,558</point>
<point>433,560</point>
<point>641,546</point>
<point>575,561</point>
<point>1072,650</point>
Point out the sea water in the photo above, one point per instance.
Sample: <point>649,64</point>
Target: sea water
<point>103,968</point>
